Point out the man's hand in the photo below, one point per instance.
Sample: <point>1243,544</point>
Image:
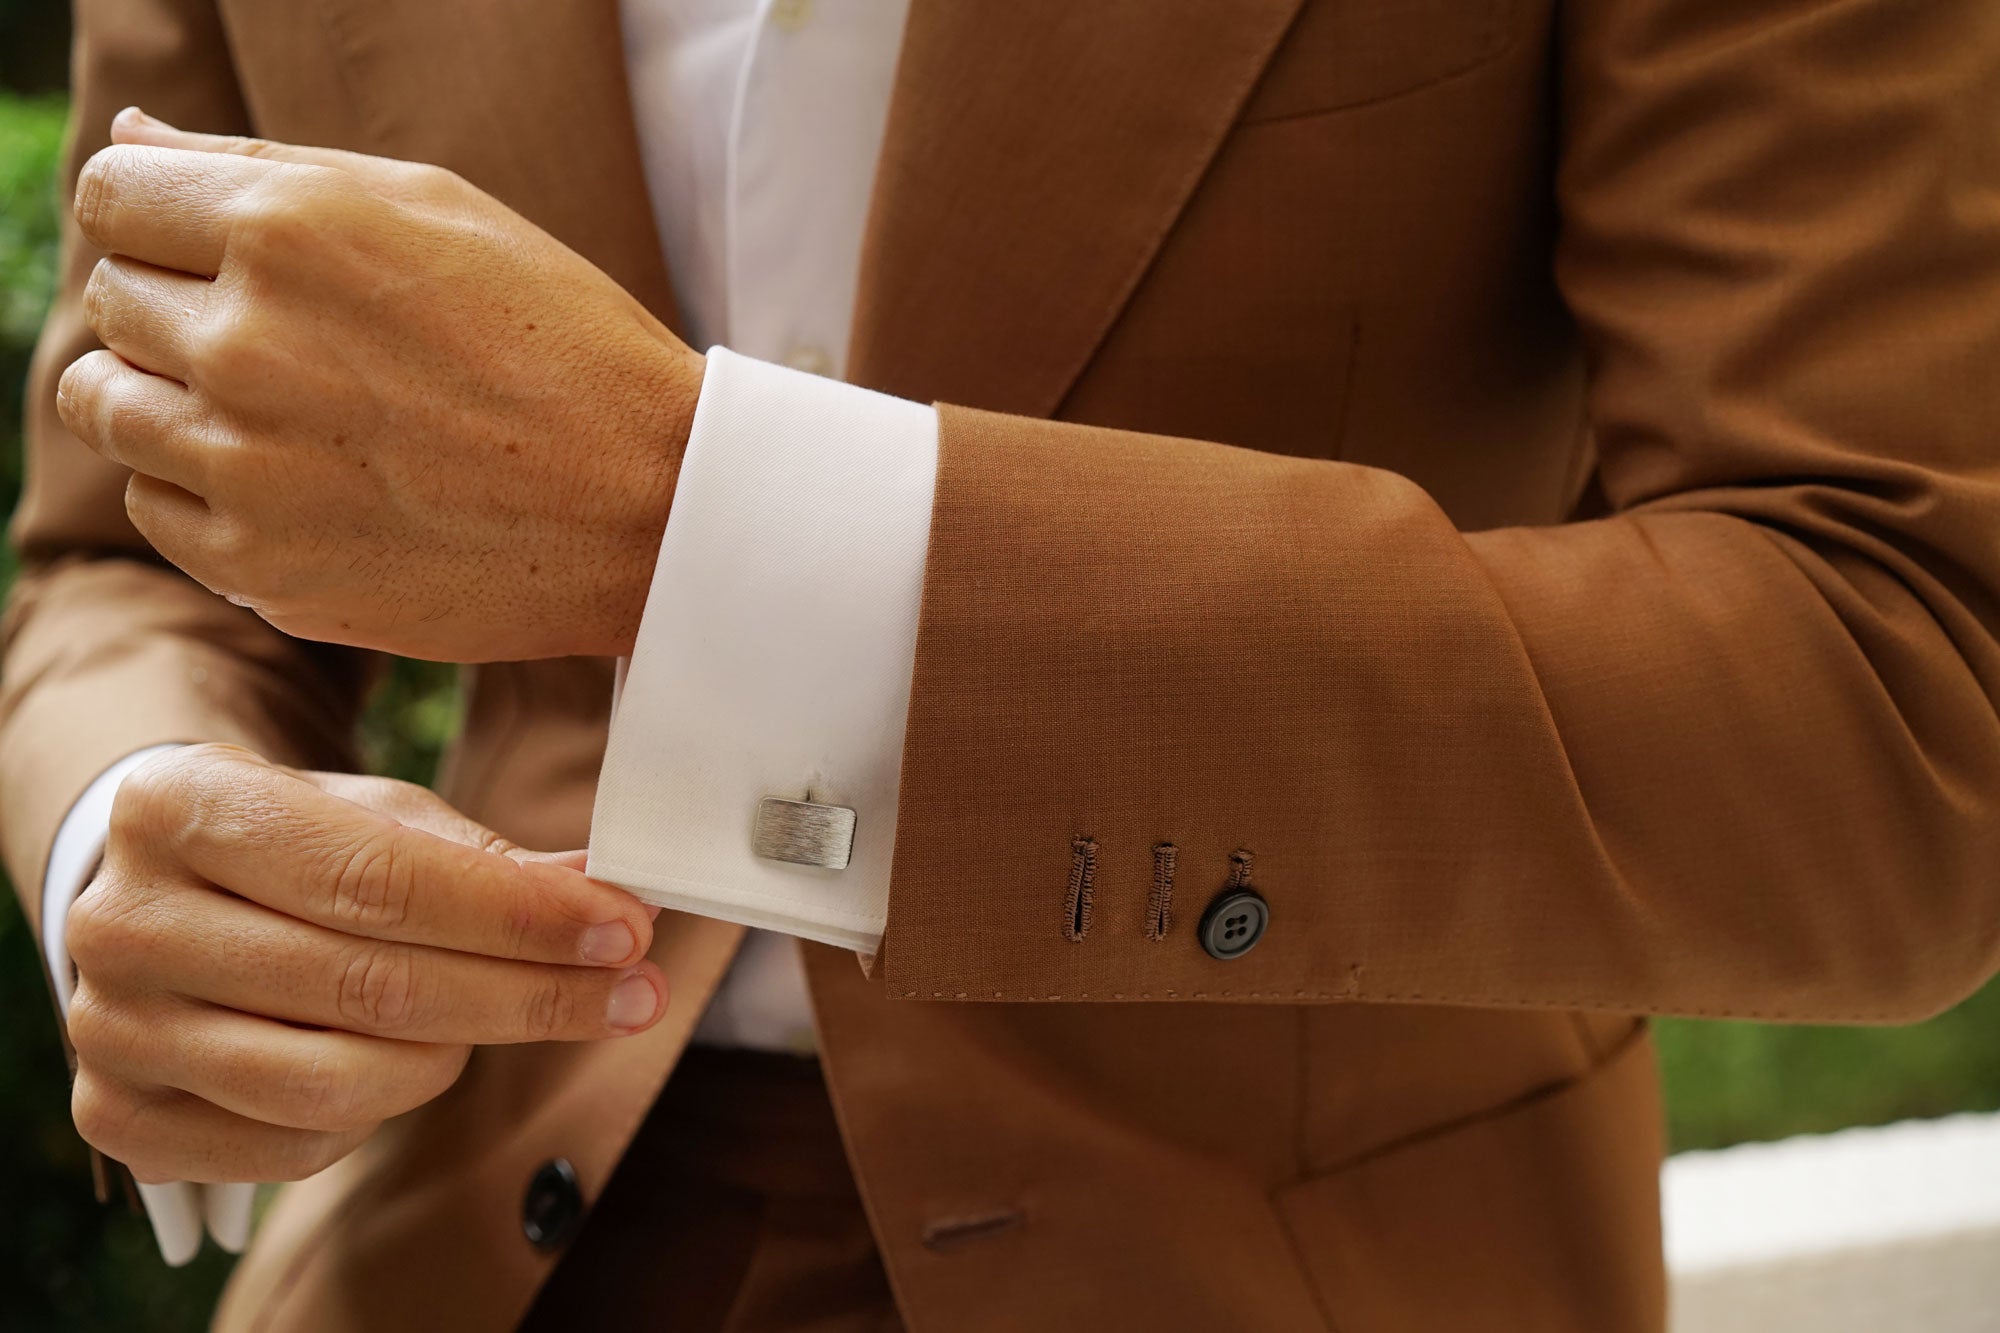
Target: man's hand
<point>271,963</point>
<point>372,403</point>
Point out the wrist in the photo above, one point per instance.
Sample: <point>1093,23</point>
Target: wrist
<point>690,369</point>
<point>651,481</point>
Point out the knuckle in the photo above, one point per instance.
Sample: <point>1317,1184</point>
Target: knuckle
<point>318,1094</point>
<point>548,1010</point>
<point>304,1153</point>
<point>104,1112</point>
<point>216,349</point>
<point>85,928</point>
<point>278,219</point>
<point>208,756</point>
<point>378,990</point>
<point>119,413</point>
<point>516,928</point>
<point>95,290</point>
<point>492,842</point>
<point>80,394</point>
<point>445,1069</point>
<point>160,803</point>
<point>159,783</point>
<point>371,889</point>
<point>101,933</point>
<point>268,222</point>
<point>234,355</point>
<point>233,553</point>
<point>94,188</point>
<point>428,1072</point>
<point>90,1025</point>
<point>71,385</point>
<point>428,180</point>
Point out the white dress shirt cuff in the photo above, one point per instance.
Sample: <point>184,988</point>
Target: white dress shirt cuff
<point>775,653</point>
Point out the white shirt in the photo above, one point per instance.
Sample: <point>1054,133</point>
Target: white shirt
<point>775,652</point>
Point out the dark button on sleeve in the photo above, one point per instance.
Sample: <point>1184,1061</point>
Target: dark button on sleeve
<point>553,1205</point>
<point>1234,923</point>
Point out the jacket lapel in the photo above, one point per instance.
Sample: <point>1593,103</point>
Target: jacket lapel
<point>525,98</point>
<point>1036,155</point>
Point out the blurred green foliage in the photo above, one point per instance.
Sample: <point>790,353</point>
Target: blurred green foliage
<point>30,141</point>
<point>65,1263</point>
<point>1735,1082</point>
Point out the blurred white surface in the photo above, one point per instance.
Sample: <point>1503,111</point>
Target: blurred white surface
<point>1884,1230</point>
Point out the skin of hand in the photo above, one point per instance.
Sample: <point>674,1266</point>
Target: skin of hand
<point>272,962</point>
<point>372,403</point>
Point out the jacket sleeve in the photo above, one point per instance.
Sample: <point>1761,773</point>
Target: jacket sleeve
<point>1730,749</point>
<point>108,649</point>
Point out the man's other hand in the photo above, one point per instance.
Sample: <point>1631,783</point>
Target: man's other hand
<point>372,403</point>
<point>271,963</point>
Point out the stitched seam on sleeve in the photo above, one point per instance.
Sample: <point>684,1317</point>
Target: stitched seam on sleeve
<point>1239,868</point>
<point>1080,902</point>
<point>1160,902</point>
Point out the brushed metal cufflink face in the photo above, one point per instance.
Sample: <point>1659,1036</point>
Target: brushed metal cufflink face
<point>804,833</point>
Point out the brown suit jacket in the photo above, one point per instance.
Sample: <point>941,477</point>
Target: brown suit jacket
<point>1594,616</point>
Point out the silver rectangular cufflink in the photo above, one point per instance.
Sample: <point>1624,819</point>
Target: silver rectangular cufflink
<point>804,833</point>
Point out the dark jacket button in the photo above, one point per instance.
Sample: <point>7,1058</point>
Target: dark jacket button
<point>1234,923</point>
<point>553,1205</point>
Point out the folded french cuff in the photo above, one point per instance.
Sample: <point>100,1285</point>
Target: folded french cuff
<point>775,654</point>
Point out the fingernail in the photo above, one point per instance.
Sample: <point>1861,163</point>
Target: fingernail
<point>610,942</point>
<point>132,115</point>
<point>633,1002</point>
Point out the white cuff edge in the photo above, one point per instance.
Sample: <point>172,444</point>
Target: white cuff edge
<point>684,896</point>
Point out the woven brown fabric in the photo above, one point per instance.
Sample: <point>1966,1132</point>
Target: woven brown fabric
<point>1522,471</point>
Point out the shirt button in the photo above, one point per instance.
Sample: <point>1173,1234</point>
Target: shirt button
<point>1234,923</point>
<point>812,360</point>
<point>790,15</point>
<point>553,1205</point>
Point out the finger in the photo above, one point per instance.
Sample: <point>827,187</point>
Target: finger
<point>414,806</point>
<point>281,841</point>
<point>396,177</point>
<point>579,861</point>
<point>148,423</point>
<point>424,809</point>
<point>163,1134</point>
<point>214,947</point>
<point>301,1078</point>
<point>182,528</point>
<point>167,206</point>
<point>150,316</point>
<point>133,126</point>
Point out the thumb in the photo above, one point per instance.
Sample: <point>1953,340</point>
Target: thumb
<point>567,860</point>
<point>570,861</point>
<point>133,126</point>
